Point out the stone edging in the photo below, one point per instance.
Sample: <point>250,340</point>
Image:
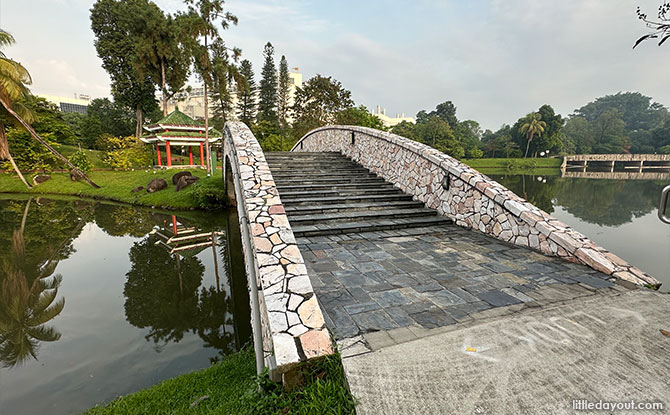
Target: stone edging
<point>466,196</point>
<point>292,322</point>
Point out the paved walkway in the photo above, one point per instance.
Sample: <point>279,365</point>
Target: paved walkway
<point>534,361</point>
<point>425,278</point>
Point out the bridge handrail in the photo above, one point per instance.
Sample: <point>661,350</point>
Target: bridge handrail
<point>468,197</point>
<point>286,318</point>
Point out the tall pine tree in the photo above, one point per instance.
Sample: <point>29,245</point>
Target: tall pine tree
<point>267,98</point>
<point>246,94</point>
<point>283,92</point>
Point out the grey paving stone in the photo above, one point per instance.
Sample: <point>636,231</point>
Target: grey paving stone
<point>361,307</point>
<point>593,281</point>
<point>444,298</point>
<point>400,316</point>
<point>390,298</point>
<point>433,318</point>
<point>374,321</point>
<point>368,266</point>
<point>498,298</point>
<point>428,286</point>
<point>360,294</point>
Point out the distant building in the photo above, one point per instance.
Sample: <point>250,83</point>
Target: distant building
<point>193,103</point>
<point>391,121</point>
<point>78,104</point>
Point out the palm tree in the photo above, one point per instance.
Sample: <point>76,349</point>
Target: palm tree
<point>532,126</point>
<point>14,79</point>
<point>25,307</point>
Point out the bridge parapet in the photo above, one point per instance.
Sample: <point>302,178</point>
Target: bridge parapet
<point>618,157</point>
<point>468,197</point>
<point>286,319</point>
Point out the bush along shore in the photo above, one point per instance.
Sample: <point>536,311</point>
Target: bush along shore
<point>124,186</point>
<point>232,387</point>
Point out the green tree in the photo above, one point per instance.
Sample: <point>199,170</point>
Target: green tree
<point>200,22</point>
<point>437,133</point>
<point>359,116</point>
<point>116,25</point>
<point>578,135</point>
<point>106,117</point>
<point>404,129</point>
<point>224,76</point>
<point>246,94</point>
<point>532,126</point>
<point>318,102</point>
<point>283,92</point>
<point>609,133</point>
<point>636,110</point>
<point>445,111</point>
<point>267,93</point>
<point>159,52</point>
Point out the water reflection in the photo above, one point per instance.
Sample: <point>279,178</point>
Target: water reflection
<point>184,294</point>
<point>607,202</point>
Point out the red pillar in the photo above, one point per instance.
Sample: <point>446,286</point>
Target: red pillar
<point>202,155</point>
<point>169,156</point>
<point>174,225</point>
<point>190,155</point>
<point>158,153</point>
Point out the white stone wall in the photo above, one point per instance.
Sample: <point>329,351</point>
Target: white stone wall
<point>470,198</point>
<point>293,326</point>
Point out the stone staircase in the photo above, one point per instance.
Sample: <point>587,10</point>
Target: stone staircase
<point>328,194</point>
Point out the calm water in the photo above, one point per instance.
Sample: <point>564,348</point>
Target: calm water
<point>133,313</point>
<point>620,215</point>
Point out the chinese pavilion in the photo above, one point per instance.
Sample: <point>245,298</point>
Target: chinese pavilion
<point>178,129</point>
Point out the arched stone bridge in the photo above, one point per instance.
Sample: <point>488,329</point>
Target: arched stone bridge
<point>358,232</point>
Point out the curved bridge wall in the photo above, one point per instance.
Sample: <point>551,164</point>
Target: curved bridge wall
<point>468,197</point>
<point>291,321</point>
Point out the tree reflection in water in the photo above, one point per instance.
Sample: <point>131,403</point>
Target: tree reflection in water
<point>164,291</point>
<point>606,202</point>
<point>28,292</point>
<point>164,294</point>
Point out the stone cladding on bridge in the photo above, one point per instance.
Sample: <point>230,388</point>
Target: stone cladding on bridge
<point>292,323</point>
<point>469,198</point>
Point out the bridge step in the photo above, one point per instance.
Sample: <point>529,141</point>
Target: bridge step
<point>351,207</point>
<point>339,187</point>
<point>373,225</point>
<point>359,216</point>
<point>311,201</point>
<point>328,194</point>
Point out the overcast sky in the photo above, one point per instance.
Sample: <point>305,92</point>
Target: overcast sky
<point>495,59</point>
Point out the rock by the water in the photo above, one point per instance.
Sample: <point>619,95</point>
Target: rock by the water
<point>40,178</point>
<point>177,176</point>
<point>156,185</point>
<point>74,176</point>
<point>137,189</point>
<point>185,181</point>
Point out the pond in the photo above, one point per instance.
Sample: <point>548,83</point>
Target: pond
<point>99,300</point>
<point>618,214</point>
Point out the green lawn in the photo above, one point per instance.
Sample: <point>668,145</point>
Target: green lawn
<point>116,185</point>
<point>230,387</point>
<point>514,164</point>
<point>94,156</point>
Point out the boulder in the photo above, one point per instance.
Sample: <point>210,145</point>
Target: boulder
<point>177,176</point>
<point>185,181</point>
<point>74,176</point>
<point>40,178</point>
<point>156,185</point>
<point>137,189</point>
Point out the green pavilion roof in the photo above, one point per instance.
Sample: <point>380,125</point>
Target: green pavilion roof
<point>178,127</point>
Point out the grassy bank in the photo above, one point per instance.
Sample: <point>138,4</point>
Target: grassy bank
<point>94,156</point>
<point>514,163</point>
<point>230,387</point>
<point>116,186</point>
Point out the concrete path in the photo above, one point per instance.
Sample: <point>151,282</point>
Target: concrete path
<point>534,361</point>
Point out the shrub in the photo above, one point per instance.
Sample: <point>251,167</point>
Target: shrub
<point>81,161</point>
<point>124,152</point>
<point>209,194</point>
<point>29,154</point>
